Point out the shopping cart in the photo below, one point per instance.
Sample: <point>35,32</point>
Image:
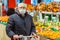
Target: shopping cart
<point>27,38</point>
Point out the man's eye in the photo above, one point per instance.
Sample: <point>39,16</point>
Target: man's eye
<point>22,7</point>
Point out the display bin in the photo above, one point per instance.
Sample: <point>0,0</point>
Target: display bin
<point>50,15</point>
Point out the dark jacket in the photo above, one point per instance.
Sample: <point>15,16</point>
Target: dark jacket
<point>20,25</point>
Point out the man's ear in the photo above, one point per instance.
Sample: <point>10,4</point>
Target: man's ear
<point>18,9</point>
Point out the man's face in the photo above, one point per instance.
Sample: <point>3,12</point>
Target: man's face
<point>22,9</point>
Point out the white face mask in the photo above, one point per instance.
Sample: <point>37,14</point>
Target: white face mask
<point>22,11</point>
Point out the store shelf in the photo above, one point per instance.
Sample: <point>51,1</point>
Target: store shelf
<point>47,12</point>
<point>57,13</point>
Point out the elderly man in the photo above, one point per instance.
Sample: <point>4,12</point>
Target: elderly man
<point>20,23</point>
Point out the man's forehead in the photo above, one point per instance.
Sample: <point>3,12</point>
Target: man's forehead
<point>22,5</point>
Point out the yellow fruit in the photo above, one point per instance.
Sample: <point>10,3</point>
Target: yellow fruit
<point>4,18</point>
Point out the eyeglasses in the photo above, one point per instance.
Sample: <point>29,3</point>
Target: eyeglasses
<point>22,7</point>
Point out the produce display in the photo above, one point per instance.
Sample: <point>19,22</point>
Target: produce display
<point>51,7</point>
<point>42,6</point>
<point>31,7</point>
<point>49,29</point>
<point>4,19</point>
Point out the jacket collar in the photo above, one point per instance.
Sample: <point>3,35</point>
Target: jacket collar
<point>24,14</point>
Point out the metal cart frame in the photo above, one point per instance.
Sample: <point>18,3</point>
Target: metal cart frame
<point>26,37</point>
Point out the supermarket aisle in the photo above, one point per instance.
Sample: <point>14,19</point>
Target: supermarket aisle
<point>3,35</point>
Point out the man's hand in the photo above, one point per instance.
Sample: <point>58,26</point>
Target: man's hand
<point>34,35</point>
<point>15,37</point>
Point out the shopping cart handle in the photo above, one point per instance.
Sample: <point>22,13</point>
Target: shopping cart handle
<point>25,37</point>
<point>20,36</point>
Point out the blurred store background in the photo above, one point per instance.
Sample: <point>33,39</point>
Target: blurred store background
<point>46,16</point>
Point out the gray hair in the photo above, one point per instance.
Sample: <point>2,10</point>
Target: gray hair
<point>22,4</point>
